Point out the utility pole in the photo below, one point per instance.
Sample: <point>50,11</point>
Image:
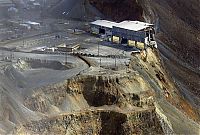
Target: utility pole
<point>100,66</point>
<point>11,56</point>
<point>2,55</point>
<point>115,61</point>
<point>43,8</point>
<point>98,49</point>
<point>99,57</point>
<point>22,28</point>
<point>127,67</point>
<point>66,58</point>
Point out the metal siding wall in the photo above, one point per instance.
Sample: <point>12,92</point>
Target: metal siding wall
<point>138,36</point>
<point>108,32</point>
<point>116,31</point>
<point>96,26</point>
<point>95,30</point>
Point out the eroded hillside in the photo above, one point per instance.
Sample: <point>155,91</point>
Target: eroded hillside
<point>96,105</point>
<point>119,10</point>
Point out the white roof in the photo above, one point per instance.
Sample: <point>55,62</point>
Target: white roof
<point>32,23</point>
<point>133,25</point>
<point>104,23</point>
<point>36,4</point>
<point>5,2</point>
<point>62,45</point>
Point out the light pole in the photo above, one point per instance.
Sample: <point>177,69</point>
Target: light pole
<point>115,62</point>
<point>23,17</point>
<point>99,57</point>
<point>99,54</point>
<point>2,55</point>
<point>66,58</point>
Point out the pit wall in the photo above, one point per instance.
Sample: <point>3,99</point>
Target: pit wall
<point>97,122</point>
<point>93,91</point>
<point>109,90</point>
<point>105,109</point>
<point>30,63</point>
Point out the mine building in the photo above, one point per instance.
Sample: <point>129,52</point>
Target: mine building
<point>68,48</point>
<point>102,27</point>
<point>132,33</point>
<point>6,3</point>
<point>34,25</point>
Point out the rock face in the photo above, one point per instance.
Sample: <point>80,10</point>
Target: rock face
<point>106,102</point>
<point>95,104</point>
<point>99,122</point>
<point>119,10</point>
<point>95,91</point>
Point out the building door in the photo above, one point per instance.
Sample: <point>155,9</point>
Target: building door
<point>102,31</point>
<point>149,34</point>
<point>124,41</point>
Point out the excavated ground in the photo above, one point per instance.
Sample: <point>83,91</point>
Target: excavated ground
<point>38,64</point>
<point>111,91</point>
<point>95,104</point>
<point>142,99</point>
<point>124,101</point>
<point>99,122</point>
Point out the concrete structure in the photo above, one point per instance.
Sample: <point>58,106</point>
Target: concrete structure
<point>4,6</point>
<point>102,27</point>
<point>36,4</point>
<point>25,26</point>
<point>68,48</point>
<point>12,9</point>
<point>6,3</point>
<point>12,23</point>
<point>33,25</point>
<point>132,33</point>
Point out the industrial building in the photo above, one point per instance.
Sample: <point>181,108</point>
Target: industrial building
<point>34,25</point>
<point>102,27</point>
<point>6,3</point>
<point>4,6</point>
<point>132,33</point>
<point>68,48</point>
